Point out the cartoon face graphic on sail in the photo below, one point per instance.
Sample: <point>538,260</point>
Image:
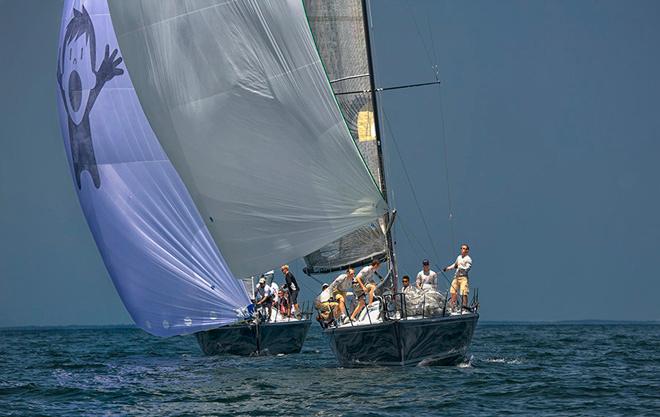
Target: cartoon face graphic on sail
<point>80,85</point>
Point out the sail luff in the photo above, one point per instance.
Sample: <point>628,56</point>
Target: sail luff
<point>338,28</point>
<point>383,185</point>
<point>343,116</point>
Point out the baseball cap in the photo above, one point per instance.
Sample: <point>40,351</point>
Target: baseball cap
<point>425,262</point>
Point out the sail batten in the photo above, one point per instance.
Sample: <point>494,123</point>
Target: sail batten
<point>239,100</point>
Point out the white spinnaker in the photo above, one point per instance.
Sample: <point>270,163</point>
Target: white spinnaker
<point>238,97</point>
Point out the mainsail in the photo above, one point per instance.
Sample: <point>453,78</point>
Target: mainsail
<point>339,32</point>
<point>238,97</point>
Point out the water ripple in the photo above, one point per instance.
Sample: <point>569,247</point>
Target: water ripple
<point>512,369</point>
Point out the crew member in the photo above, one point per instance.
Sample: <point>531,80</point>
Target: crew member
<point>264,296</point>
<point>325,304</point>
<point>292,286</point>
<point>427,279</point>
<point>340,287</point>
<point>364,283</point>
<point>406,288</point>
<point>460,282</point>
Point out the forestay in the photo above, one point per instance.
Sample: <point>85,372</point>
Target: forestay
<point>339,32</point>
<point>239,99</point>
<point>157,250</point>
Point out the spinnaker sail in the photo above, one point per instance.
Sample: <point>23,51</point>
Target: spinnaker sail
<point>339,32</point>
<point>166,267</point>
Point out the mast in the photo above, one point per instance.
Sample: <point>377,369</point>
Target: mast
<point>381,164</point>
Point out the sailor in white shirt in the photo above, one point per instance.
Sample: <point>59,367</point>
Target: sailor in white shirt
<point>460,283</point>
<point>340,287</point>
<point>364,283</point>
<point>325,304</point>
<point>427,279</point>
<point>326,294</point>
<point>263,295</point>
<point>274,288</point>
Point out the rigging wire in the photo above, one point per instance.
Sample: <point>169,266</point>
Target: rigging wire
<point>314,278</point>
<point>435,52</point>
<point>412,239</point>
<point>422,249</point>
<point>381,111</point>
<point>378,111</point>
<point>421,38</point>
<point>410,184</point>
<point>436,72</point>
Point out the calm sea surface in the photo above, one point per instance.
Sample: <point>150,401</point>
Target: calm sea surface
<point>541,369</point>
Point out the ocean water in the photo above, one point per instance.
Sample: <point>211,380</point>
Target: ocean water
<point>524,369</point>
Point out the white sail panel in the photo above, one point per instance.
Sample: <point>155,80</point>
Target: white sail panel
<point>158,252</point>
<point>238,97</point>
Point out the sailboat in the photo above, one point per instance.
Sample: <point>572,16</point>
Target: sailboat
<point>398,328</point>
<point>206,146</point>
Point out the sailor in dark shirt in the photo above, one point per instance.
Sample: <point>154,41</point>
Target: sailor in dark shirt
<point>292,285</point>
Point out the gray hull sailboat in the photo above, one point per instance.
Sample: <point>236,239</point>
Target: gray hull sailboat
<point>251,339</point>
<point>430,341</point>
<point>399,328</point>
<point>206,145</point>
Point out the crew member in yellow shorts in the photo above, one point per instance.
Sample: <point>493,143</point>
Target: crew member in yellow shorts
<point>460,282</point>
<point>340,287</point>
<point>325,304</point>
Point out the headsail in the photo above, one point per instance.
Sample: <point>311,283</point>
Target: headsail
<point>339,32</point>
<point>239,99</point>
<point>158,252</point>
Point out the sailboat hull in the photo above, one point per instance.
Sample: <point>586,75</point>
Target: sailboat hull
<point>254,339</point>
<point>430,341</point>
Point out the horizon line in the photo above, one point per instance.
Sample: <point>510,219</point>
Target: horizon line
<point>489,322</point>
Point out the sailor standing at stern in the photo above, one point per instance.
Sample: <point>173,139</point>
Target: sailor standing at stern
<point>292,286</point>
<point>462,266</point>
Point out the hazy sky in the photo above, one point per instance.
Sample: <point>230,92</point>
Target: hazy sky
<point>549,112</point>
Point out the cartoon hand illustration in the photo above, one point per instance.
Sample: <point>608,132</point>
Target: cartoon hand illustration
<point>59,67</point>
<point>108,68</point>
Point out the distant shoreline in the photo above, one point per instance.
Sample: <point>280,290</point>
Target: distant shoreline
<point>481,323</point>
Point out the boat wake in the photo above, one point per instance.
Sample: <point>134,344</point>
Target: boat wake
<point>467,363</point>
<point>504,360</point>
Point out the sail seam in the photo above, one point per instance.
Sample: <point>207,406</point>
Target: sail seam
<point>178,16</point>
